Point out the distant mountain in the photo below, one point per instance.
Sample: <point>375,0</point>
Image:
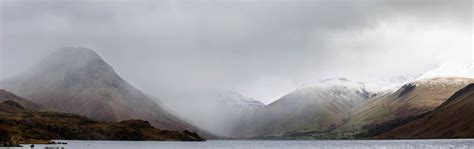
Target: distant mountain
<point>453,119</point>
<point>236,103</point>
<point>77,80</point>
<point>313,108</point>
<point>19,124</point>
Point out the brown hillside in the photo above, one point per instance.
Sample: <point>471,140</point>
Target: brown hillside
<point>410,100</point>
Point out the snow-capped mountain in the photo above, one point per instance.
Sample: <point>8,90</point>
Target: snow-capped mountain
<point>445,71</point>
<point>238,103</point>
<point>314,107</point>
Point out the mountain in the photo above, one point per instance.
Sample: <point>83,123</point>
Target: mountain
<point>77,80</point>
<point>453,119</point>
<point>313,108</point>
<point>390,108</point>
<point>341,109</point>
<point>19,124</point>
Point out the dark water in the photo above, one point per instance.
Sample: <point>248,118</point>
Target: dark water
<point>283,144</point>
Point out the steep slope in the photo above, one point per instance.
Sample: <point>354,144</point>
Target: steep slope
<point>453,119</point>
<point>313,108</point>
<point>78,80</point>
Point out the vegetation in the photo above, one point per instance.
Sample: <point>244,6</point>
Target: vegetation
<point>377,129</point>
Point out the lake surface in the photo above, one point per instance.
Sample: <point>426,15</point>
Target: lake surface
<point>283,144</point>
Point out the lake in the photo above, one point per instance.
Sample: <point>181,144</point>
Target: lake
<point>264,144</point>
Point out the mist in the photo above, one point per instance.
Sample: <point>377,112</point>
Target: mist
<point>184,52</point>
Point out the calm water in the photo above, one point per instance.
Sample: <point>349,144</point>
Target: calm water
<point>217,144</point>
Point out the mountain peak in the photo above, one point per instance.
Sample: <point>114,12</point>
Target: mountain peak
<point>74,54</point>
<point>340,79</point>
<point>77,80</point>
<point>69,67</point>
<point>334,85</point>
<point>77,50</point>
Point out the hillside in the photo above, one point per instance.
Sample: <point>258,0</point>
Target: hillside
<point>27,104</point>
<point>453,119</point>
<point>20,124</point>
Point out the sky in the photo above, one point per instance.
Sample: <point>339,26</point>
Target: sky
<point>181,49</point>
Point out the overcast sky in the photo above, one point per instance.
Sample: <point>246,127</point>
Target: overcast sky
<point>260,48</point>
